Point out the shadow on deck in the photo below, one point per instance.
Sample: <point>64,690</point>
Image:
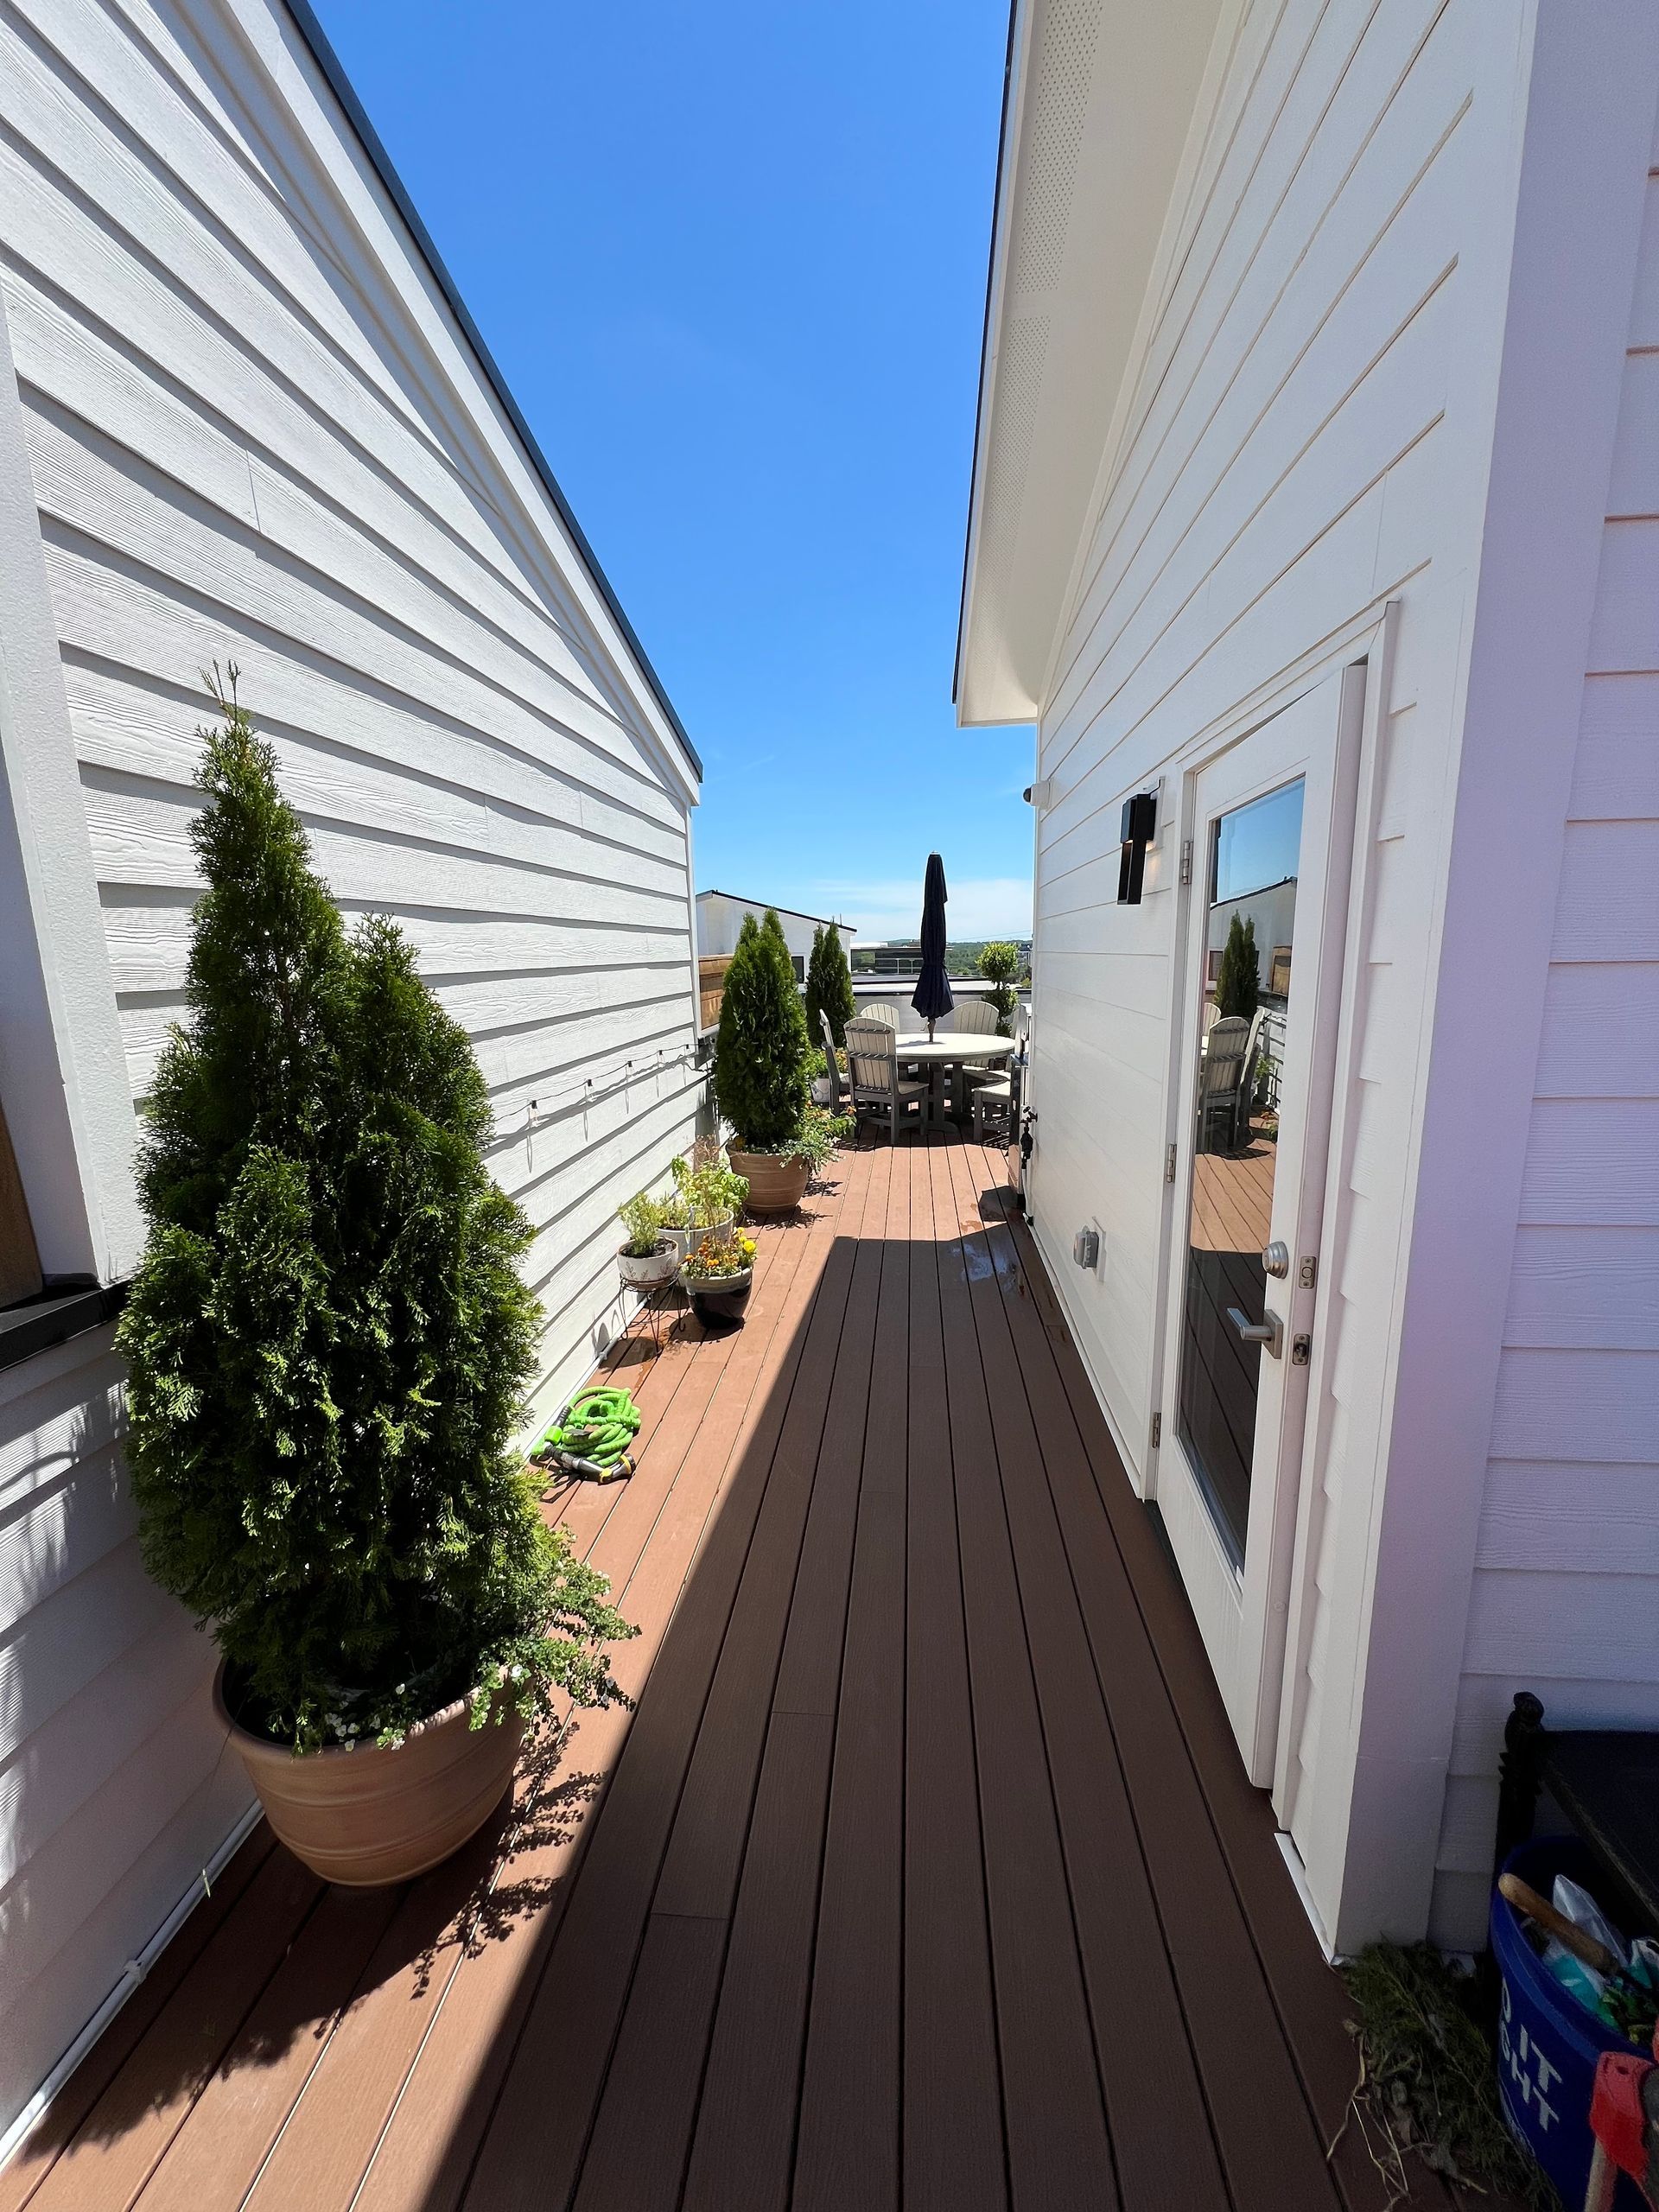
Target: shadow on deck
<point>926,1872</point>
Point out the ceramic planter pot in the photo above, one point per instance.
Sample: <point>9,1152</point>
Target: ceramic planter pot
<point>775,1185</point>
<point>685,1239</point>
<point>368,1817</point>
<point>718,1300</point>
<point>650,1270</point>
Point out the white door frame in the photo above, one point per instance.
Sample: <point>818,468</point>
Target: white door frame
<point>1243,1614</point>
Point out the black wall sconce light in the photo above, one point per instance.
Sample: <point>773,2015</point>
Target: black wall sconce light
<point>1139,824</point>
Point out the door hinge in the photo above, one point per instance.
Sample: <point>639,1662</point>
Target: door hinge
<point>1186,860</point>
<point>1169,1163</point>
<point>1309,1273</point>
<point>1157,1430</point>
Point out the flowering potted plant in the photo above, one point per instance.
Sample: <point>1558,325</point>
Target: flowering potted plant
<point>719,1272</point>
<point>650,1255</point>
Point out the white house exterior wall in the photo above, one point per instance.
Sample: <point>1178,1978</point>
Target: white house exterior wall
<point>1308,442</point>
<point>1563,1599</point>
<point>256,434</point>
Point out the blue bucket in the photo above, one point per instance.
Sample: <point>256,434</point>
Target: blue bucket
<point>1547,2044</point>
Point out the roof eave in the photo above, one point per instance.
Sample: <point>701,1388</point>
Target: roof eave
<point>1066,322</point>
<point>340,84</point>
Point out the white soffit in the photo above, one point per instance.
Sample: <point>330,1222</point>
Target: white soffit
<point>1100,102</point>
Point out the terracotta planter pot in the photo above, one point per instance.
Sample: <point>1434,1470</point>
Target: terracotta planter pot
<point>775,1185</point>
<point>368,1817</point>
<point>650,1270</point>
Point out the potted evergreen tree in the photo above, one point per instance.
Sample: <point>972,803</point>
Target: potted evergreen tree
<point>1238,980</point>
<point>762,1085</point>
<point>328,1340</point>
<point>829,988</point>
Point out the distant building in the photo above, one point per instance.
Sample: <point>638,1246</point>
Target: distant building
<point>720,917</point>
<point>902,958</point>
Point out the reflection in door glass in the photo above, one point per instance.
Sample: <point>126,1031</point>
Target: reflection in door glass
<point>1249,923</point>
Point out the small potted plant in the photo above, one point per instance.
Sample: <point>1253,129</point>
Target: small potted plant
<point>707,1194</point>
<point>719,1272</point>
<point>649,1256</point>
<point>327,1341</point>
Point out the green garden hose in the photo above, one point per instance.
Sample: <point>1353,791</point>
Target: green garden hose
<point>592,1435</point>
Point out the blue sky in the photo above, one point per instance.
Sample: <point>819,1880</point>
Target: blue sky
<point>731,258</point>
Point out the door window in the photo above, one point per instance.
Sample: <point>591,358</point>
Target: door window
<point>1245,982</point>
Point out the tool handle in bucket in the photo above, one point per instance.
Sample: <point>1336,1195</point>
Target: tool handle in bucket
<point>1567,1932</point>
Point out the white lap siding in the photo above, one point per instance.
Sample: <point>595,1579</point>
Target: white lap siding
<point>257,435</point>
<point>1563,1600</point>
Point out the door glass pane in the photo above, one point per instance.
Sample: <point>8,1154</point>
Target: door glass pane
<point>1249,923</point>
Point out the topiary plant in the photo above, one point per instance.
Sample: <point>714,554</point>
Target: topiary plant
<point>327,1336</point>
<point>760,1080</point>
<point>1238,981</point>
<point>1000,963</point>
<point>829,986</point>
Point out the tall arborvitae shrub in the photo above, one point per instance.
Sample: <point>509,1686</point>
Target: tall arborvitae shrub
<point>1238,984</point>
<point>814,999</point>
<point>829,986</point>
<point>327,1337</point>
<point>762,1085</point>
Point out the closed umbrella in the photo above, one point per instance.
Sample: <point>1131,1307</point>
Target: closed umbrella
<point>932,994</point>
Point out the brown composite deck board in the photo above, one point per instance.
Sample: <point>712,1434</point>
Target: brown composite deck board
<point>847,2149</point>
<point>532,2151</point>
<point>743,2150</point>
<point>925,1875</point>
<point>1309,2005</point>
<point>234,2123</point>
<point>1265,2134</point>
<point>1145,2055</point>
<point>57,2127</point>
<point>128,2130</point>
<point>955,2156</point>
<point>1058,2151</point>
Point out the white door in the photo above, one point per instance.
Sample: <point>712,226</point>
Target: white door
<point>1272,832</point>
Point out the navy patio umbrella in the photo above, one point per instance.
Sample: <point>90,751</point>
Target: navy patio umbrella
<point>932,996</point>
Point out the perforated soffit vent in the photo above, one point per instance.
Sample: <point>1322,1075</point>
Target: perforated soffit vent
<point>1069,31</point>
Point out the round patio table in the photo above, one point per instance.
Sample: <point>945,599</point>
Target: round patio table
<point>950,1049</point>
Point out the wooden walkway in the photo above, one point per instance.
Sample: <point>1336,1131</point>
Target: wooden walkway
<point>924,1873</point>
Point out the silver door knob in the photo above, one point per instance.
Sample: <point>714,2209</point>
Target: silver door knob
<point>1276,1258</point>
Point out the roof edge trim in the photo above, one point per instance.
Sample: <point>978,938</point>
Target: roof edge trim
<point>340,84</point>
